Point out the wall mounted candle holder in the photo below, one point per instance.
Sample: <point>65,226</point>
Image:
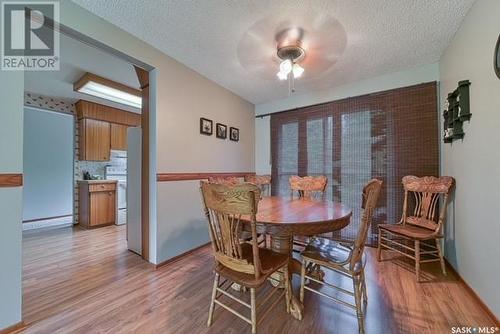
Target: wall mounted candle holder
<point>457,111</point>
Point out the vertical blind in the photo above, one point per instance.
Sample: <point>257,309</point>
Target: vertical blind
<point>384,135</point>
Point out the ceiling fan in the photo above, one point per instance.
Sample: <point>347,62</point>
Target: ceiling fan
<point>304,46</point>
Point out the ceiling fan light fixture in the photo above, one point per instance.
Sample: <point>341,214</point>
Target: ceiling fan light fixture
<point>290,55</point>
<point>293,52</point>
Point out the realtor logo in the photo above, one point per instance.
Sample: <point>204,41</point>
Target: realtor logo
<point>30,38</point>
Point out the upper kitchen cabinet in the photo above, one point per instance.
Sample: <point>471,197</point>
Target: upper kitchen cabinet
<point>87,109</point>
<point>95,140</point>
<point>119,137</point>
<point>102,129</point>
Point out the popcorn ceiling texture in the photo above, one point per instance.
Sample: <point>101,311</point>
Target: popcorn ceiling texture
<point>383,36</point>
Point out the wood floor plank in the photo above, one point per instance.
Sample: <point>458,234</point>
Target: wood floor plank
<point>86,281</point>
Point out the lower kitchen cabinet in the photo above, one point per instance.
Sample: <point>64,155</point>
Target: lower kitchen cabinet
<point>97,203</point>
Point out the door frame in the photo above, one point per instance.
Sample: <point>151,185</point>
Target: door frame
<point>143,71</point>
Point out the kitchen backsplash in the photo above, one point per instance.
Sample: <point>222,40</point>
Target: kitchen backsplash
<point>93,167</point>
<point>117,159</point>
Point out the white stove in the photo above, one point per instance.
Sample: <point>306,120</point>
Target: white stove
<point>119,173</point>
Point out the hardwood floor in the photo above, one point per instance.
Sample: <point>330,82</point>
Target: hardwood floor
<point>85,281</point>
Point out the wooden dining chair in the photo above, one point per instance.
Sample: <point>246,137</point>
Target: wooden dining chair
<point>240,262</point>
<point>344,258</point>
<point>261,181</point>
<point>227,180</point>
<point>307,187</point>
<point>419,224</point>
<point>264,184</point>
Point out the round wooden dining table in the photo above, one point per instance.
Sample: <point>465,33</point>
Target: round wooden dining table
<point>282,218</point>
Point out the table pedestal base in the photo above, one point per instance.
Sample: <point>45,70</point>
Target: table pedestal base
<point>284,245</point>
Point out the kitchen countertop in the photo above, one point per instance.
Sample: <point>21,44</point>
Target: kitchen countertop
<point>97,181</point>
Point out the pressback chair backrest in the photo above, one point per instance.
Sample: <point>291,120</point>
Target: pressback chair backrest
<point>308,186</point>
<point>371,192</point>
<point>427,192</point>
<point>224,207</point>
<point>226,180</point>
<point>261,181</point>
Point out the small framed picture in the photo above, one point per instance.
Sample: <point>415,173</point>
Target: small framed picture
<point>234,134</point>
<point>221,131</point>
<point>206,126</point>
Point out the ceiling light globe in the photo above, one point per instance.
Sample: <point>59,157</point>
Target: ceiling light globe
<point>282,76</point>
<point>286,66</point>
<point>297,70</point>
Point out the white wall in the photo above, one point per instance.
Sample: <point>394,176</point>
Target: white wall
<point>11,161</point>
<point>409,77</point>
<point>473,229</point>
<point>47,164</point>
<point>181,224</point>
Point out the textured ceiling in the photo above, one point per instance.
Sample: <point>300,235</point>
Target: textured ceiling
<point>224,40</point>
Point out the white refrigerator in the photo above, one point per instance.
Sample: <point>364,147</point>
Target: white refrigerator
<point>134,162</point>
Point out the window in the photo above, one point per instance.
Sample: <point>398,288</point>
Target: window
<point>385,135</point>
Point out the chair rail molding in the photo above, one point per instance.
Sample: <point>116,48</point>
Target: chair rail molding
<point>11,180</point>
<point>166,177</point>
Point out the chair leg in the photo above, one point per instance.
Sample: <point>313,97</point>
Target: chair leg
<point>254,310</point>
<point>417,259</point>
<point>287,288</point>
<point>302,280</point>
<point>356,280</point>
<point>363,285</point>
<point>379,247</point>
<point>441,259</point>
<point>212,303</point>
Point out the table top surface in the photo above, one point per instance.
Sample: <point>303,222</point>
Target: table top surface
<point>282,210</point>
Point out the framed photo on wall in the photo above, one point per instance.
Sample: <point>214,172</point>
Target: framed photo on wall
<point>234,134</point>
<point>221,131</point>
<point>206,126</point>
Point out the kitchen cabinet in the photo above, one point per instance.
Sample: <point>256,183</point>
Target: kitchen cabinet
<point>87,109</point>
<point>97,203</point>
<point>102,129</point>
<point>119,137</point>
<point>95,140</point>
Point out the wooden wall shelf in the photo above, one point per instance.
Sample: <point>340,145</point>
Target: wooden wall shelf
<point>457,111</point>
